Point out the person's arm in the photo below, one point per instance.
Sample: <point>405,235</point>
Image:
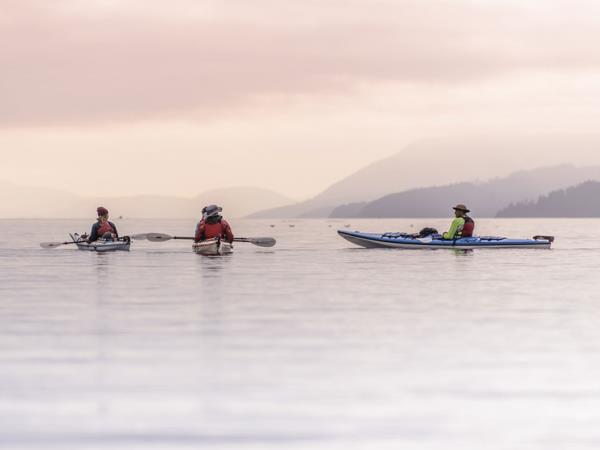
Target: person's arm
<point>199,232</point>
<point>228,232</point>
<point>456,224</point>
<point>115,228</point>
<point>94,233</point>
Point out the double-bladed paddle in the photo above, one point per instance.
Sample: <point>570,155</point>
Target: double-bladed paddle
<point>161,237</point>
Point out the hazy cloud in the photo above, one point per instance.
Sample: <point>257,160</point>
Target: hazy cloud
<point>111,61</point>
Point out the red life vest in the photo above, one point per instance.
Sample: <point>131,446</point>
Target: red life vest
<point>213,230</point>
<point>206,230</point>
<point>104,228</point>
<point>468,227</point>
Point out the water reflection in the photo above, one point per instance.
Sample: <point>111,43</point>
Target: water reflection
<point>315,339</point>
<point>212,266</point>
<point>462,251</point>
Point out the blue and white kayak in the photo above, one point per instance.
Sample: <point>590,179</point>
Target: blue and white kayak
<point>406,241</point>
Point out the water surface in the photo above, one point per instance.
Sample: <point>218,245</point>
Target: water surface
<point>314,344</point>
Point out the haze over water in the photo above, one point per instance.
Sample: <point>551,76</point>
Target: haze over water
<point>314,344</point>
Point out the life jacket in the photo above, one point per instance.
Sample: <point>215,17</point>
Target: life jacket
<point>206,230</point>
<point>468,227</point>
<point>104,228</point>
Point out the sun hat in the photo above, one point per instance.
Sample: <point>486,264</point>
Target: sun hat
<point>211,210</point>
<point>461,207</point>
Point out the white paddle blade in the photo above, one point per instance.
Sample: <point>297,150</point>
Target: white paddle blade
<point>261,241</point>
<point>158,237</point>
<point>264,242</point>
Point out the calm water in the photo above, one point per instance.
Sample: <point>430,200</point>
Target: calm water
<point>312,345</point>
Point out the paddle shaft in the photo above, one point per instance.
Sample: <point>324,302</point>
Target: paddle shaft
<point>55,244</point>
<point>190,238</point>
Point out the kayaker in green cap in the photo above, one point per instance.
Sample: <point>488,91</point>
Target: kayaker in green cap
<point>462,225</point>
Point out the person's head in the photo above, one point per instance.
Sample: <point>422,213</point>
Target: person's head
<point>212,213</point>
<point>102,213</point>
<point>460,210</point>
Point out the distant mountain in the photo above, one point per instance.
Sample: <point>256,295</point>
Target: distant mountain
<point>576,201</point>
<point>348,210</point>
<point>26,202</point>
<point>485,199</point>
<point>443,162</point>
<point>236,202</point>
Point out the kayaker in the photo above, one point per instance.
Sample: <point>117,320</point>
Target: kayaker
<point>462,225</point>
<point>103,228</point>
<point>213,225</point>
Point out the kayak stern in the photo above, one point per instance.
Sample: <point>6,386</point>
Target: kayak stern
<point>213,247</point>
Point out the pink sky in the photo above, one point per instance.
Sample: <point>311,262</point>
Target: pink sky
<point>292,95</point>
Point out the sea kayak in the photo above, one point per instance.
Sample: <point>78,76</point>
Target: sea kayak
<point>213,247</point>
<point>102,245</point>
<point>406,241</point>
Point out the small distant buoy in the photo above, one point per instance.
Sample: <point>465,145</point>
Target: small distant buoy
<point>120,217</point>
<point>292,225</point>
<point>272,226</point>
<point>329,226</point>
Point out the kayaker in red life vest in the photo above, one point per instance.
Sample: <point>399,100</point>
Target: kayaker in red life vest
<point>103,229</point>
<point>213,225</point>
<point>462,225</point>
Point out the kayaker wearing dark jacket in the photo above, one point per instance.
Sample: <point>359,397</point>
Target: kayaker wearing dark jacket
<point>213,225</point>
<point>103,229</point>
<point>462,225</point>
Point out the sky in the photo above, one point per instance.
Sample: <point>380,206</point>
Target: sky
<point>122,97</point>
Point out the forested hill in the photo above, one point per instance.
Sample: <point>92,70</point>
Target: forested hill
<point>582,200</point>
